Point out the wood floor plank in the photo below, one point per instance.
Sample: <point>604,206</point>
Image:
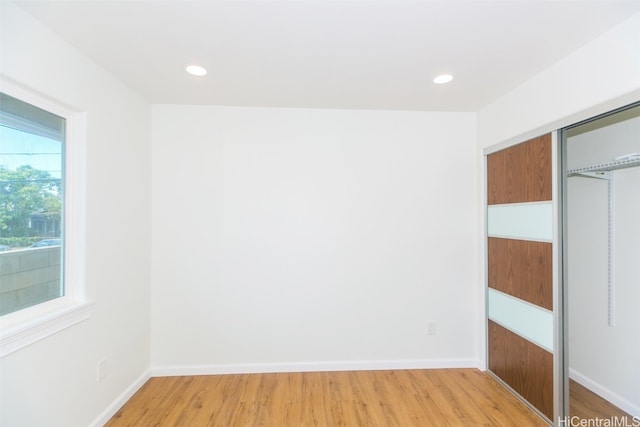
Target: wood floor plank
<point>404,398</point>
<point>586,404</point>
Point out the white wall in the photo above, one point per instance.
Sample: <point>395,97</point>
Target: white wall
<point>604,74</point>
<point>291,239</point>
<point>53,382</point>
<point>601,356</point>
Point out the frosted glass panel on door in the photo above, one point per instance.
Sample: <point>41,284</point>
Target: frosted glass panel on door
<point>529,221</point>
<point>527,320</point>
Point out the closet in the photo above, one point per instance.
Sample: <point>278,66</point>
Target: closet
<point>601,265</point>
<point>562,247</point>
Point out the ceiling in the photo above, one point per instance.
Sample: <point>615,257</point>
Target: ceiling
<point>329,54</point>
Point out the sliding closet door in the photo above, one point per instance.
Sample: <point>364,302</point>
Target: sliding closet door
<point>520,270</point>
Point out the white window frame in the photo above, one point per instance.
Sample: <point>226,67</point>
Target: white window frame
<point>24,327</point>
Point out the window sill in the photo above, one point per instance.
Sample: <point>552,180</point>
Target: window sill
<point>18,330</point>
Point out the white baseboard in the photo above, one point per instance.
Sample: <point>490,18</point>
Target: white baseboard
<point>111,410</point>
<point>605,393</point>
<point>254,368</point>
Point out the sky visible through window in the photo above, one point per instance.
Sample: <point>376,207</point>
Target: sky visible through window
<point>18,148</point>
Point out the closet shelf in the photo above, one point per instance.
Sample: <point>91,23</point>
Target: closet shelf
<point>629,162</point>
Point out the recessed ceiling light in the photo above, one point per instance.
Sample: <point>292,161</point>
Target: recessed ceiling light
<point>442,79</point>
<point>196,70</point>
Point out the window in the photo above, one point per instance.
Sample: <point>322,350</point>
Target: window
<point>41,217</point>
<point>31,202</point>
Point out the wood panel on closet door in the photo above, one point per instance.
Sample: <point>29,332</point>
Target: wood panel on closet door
<point>521,173</point>
<point>527,368</point>
<point>522,269</point>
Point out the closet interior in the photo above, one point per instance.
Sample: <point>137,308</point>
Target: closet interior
<point>601,265</point>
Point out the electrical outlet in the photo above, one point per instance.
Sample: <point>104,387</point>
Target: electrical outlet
<point>101,370</point>
<point>432,328</point>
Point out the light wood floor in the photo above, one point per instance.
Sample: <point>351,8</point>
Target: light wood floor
<point>439,397</point>
<point>586,404</point>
